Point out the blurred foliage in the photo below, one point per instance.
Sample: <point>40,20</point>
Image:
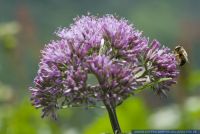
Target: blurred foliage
<point>9,28</point>
<point>8,33</point>
<point>22,118</point>
<point>25,26</point>
<point>194,80</point>
<point>6,93</point>
<point>176,117</point>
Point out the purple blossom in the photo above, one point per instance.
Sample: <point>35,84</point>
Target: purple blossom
<point>161,63</point>
<point>110,49</point>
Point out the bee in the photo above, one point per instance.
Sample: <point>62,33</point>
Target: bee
<point>181,55</point>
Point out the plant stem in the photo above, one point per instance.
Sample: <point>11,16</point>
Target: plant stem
<point>113,118</point>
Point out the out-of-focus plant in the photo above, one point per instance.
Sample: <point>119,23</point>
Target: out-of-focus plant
<point>192,116</point>
<point>21,118</point>
<point>176,117</point>
<point>121,60</point>
<point>194,80</point>
<point>8,32</point>
<point>6,94</point>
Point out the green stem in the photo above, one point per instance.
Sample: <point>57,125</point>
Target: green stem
<point>113,118</point>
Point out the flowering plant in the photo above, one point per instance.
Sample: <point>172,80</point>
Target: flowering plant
<point>114,52</point>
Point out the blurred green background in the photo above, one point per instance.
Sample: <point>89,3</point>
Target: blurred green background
<point>27,25</point>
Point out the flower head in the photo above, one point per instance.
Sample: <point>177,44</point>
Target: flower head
<point>161,63</point>
<point>110,49</point>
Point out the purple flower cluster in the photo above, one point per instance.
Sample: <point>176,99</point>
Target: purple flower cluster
<point>108,48</point>
<point>160,63</point>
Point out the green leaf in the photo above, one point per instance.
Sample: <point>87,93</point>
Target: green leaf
<point>151,84</point>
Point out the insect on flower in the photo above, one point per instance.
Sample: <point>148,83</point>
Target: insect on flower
<point>121,59</point>
<point>181,55</point>
<point>111,50</point>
